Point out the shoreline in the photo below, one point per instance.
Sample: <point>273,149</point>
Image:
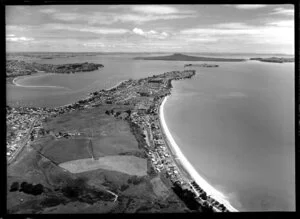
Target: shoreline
<point>14,82</point>
<point>188,168</point>
<point>108,89</point>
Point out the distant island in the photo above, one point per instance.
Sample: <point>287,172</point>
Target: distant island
<point>274,59</point>
<point>182,57</point>
<point>15,68</point>
<point>202,65</point>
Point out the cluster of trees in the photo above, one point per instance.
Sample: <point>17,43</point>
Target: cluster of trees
<point>27,188</point>
<point>188,197</point>
<point>135,180</point>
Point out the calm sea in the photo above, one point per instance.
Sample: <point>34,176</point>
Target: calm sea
<point>234,123</point>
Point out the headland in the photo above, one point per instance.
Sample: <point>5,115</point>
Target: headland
<point>16,68</point>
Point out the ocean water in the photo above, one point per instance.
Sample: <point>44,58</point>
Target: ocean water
<point>234,123</point>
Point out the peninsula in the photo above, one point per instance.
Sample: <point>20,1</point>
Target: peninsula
<point>274,59</point>
<point>15,68</point>
<point>110,152</point>
<point>182,57</point>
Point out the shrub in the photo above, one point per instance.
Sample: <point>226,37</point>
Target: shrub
<point>14,187</point>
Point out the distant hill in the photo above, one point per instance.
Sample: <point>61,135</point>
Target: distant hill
<point>181,57</point>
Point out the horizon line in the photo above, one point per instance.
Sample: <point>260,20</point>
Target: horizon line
<point>261,53</point>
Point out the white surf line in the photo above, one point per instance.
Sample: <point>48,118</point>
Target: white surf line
<point>33,86</point>
<point>215,194</point>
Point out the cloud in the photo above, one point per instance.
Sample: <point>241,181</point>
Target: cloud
<point>150,34</point>
<point>10,35</point>
<point>277,32</point>
<point>102,30</point>
<point>217,31</point>
<point>18,39</point>
<point>202,39</point>
<point>48,11</point>
<point>60,30</point>
<point>135,13</point>
<point>283,23</point>
<point>139,19</point>
<point>154,9</point>
<point>85,28</point>
<point>283,11</point>
<point>13,28</point>
<point>67,16</point>
<point>249,7</point>
<point>98,44</point>
<point>233,25</point>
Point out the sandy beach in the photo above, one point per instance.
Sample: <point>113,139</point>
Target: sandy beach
<point>182,161</point>
<point>34,86</point>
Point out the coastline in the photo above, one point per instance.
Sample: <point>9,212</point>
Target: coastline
<point>14,82</point>
<point>188,168</point>
<point>108,89</point>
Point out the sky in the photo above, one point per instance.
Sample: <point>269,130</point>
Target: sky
<point>151,28</point>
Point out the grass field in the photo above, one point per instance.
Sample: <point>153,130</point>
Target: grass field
<point>64,150</point>
<point>130,165</point>
<point>109,136</point>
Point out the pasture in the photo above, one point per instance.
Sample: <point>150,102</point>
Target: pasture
<point>109,136</point>
<point>130,165</point>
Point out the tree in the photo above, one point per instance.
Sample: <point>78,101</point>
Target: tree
<point>14,187</point>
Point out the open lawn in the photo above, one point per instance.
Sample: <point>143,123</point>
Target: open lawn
<point>130,165</point>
